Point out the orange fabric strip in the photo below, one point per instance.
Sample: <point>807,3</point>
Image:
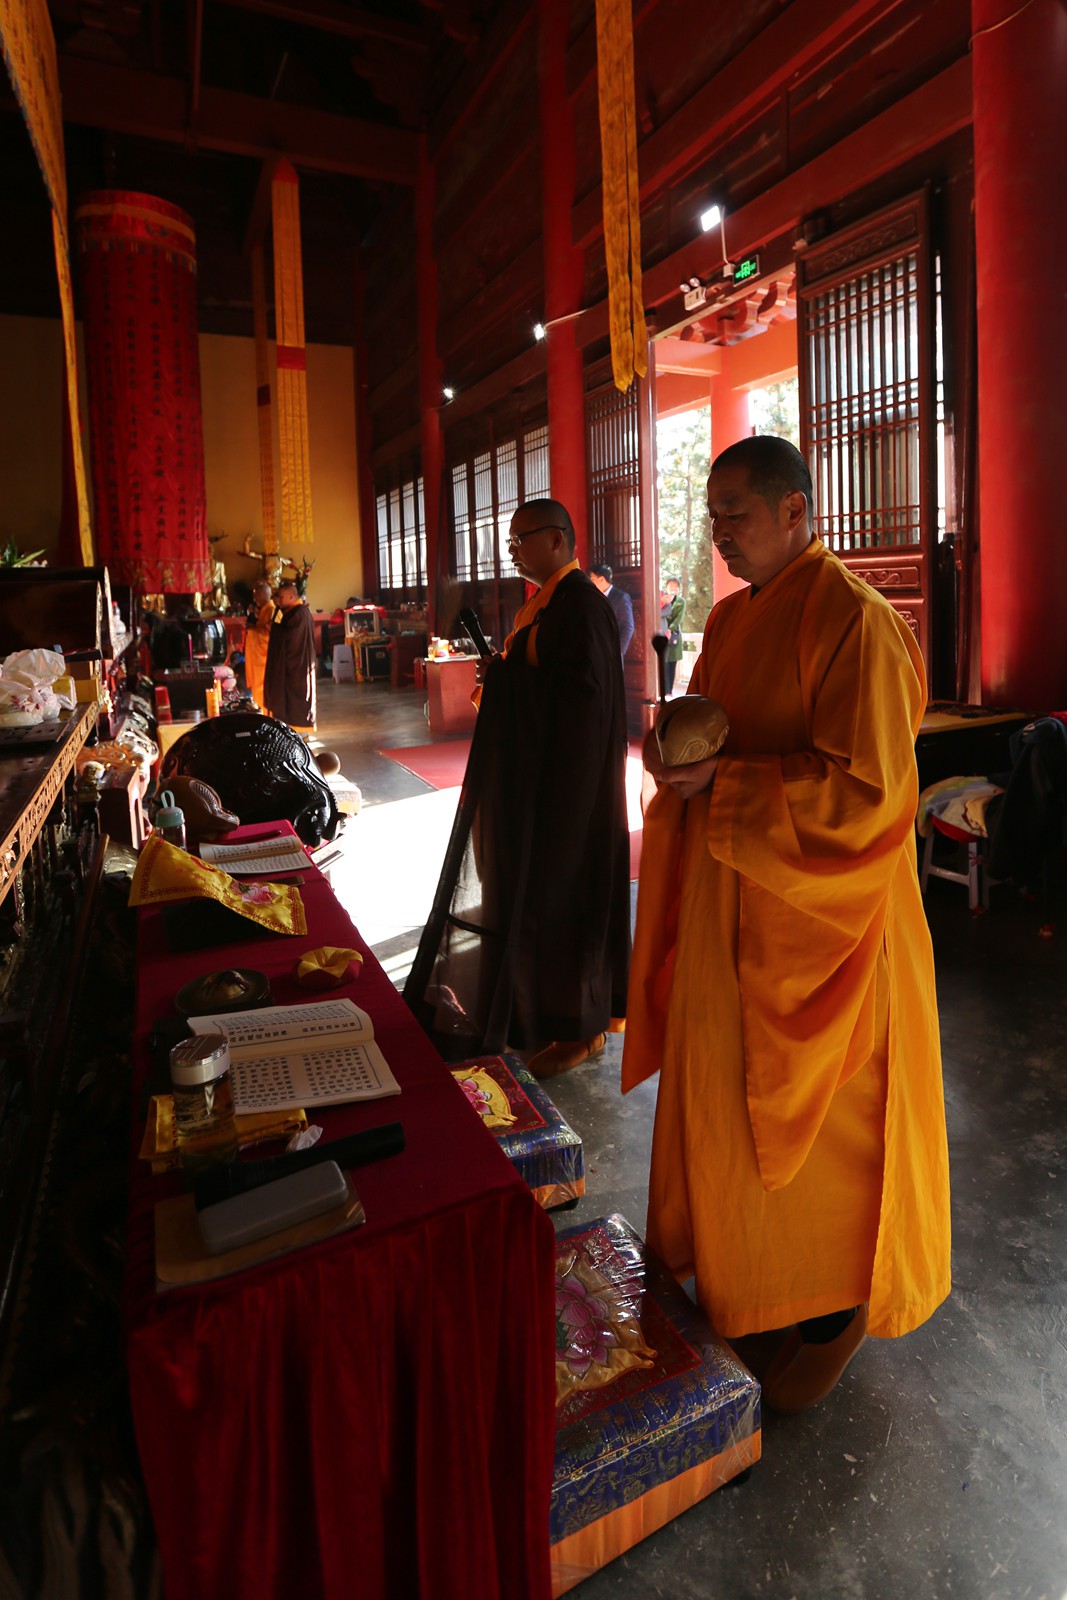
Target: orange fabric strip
<point>622,205</point>
<point>292,357</point>
<point>70,350</point>
<point>292,379</point>
<point>264,402</point>
<point>532,607</point>
<point>29,49</point>
<point>585,1552</point>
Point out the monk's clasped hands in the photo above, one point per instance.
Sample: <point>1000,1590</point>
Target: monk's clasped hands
<point>686,781</point>
<point>694,779</point>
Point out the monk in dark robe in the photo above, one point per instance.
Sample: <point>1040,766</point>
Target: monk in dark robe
<point>528,942</point>
<point>289,682</point>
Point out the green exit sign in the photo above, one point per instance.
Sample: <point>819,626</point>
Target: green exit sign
<point>746,269</point>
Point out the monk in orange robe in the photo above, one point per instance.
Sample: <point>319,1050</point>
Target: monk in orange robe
<point>782,975</point>
<point>257,638</point>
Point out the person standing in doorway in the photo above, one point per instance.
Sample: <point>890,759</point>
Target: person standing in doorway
<point>672,610</point>
<point>618,600</point>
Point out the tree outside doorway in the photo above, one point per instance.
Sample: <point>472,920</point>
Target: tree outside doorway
<point>683,460</point>
<point>776,409</point>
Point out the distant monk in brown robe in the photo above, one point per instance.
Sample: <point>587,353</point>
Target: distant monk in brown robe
<point>257,638</point>
<point>289,684</point>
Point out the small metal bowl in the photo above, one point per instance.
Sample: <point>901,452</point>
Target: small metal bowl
<point>235,989</point>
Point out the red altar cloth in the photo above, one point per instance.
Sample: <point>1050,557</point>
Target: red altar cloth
<point>372,1416</point>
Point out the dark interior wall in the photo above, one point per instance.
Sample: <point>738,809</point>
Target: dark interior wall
<point>829,96</point>
<point>487,230</point>
<point>391,321</point>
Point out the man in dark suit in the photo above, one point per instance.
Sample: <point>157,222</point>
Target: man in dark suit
<point>618,600</point>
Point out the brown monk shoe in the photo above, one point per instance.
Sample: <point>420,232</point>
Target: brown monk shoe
<point>563,1056</point>
<point>756,1351</point>
<point>801,1375</point>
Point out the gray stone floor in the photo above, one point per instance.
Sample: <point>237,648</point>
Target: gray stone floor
<point>939,1466</point>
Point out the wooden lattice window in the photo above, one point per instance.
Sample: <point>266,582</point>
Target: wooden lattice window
<point>867,402</point>
<point>614,476</point>
<point>401,520</point>
<point>862,347</point>
<point>486,489</point>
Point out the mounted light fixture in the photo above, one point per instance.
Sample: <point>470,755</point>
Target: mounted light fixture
<point>449,394</point>
<point>710,218</point>
<point>540,331</point>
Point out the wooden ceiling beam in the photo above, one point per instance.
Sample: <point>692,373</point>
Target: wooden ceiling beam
<point>98,94</point>
<point>326,16</point>
<point>194,10</point>
<point>464,100</point>
<point>918,122</point>
<point>805,31</point>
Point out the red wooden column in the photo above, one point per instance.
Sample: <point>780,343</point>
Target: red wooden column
<point>370,580</point>
<point>563,272</point>
<point>729,423</point>
<point>1020,173</point>
<point>431,396</point>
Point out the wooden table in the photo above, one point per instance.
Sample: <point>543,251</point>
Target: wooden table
<point>958,740</point>
<point>372,1416</point>
<point>449,686</point>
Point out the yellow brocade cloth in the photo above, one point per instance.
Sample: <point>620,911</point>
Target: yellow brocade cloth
<point>165,874</point>
<point>486,1096</point>
<point>160,1142</point>
<point>783,979</point>
<point>326,967</point>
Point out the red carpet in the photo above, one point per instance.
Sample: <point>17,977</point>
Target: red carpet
<point>442,766</point>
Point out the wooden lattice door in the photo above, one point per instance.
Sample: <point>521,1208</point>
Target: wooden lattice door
<point>867,409</point>
<point>621,465</point>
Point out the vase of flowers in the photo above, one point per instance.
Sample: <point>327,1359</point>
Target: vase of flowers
<point>301,571</point>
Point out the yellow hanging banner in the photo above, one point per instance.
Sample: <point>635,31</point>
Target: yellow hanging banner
<point>70,350</point>
<point>29,50</point>
<point>622,205</point>
<point>291,357</point>
<point>264,407</point>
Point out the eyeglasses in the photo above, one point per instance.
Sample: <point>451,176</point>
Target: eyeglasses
<point>517,538</point>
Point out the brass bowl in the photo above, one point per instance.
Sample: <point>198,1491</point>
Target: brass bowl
<point>690,729</point>
<point>234,989</point>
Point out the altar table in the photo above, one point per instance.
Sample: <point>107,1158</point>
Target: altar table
<point>372,1416</point>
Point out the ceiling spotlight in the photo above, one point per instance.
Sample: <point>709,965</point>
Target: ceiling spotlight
<point>449,394</point>
<point>711,218</point>
<point>539,330</point>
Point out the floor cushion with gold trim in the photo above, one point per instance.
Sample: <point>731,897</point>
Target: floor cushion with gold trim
<point>539,1143</point>
<point>676,1419</point>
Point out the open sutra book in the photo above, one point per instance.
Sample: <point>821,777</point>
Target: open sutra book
<point>319,1054</point>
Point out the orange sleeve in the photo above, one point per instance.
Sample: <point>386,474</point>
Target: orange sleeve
<point>817,840</point>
